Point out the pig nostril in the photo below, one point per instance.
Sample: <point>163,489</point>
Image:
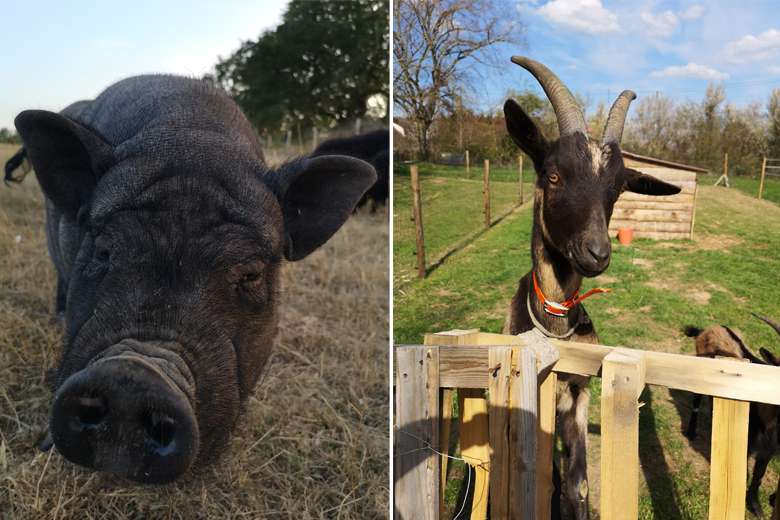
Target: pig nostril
<point>160,428</point>
<point>89,412</point>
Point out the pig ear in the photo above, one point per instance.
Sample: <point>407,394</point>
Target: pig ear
<point>317,196</point>
<point>68,158</point>
<point>639,182</point>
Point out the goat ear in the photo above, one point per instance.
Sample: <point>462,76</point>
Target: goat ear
<point>68,158</point>
<point>525,133</point>
<point>639,182</point>
<point>317,196</point>
<point>769,357</point>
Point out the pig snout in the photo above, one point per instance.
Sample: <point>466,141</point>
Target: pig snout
<point>129,413</point>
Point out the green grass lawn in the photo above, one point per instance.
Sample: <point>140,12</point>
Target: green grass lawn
<point>452,206</point>
<point>749,185</point>
<point>727,271</point>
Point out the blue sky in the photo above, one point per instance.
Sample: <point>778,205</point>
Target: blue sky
<point>54,52</point>
<point>600,47</point>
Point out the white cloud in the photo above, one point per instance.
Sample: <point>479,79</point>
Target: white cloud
<point>693,12</point>
<point>588,16</point>
<point>661,24</point>
<point>773,69</point>
<point>754,48</point>
<point>692,70</point>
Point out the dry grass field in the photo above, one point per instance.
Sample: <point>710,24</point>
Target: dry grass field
<point>312,442</point>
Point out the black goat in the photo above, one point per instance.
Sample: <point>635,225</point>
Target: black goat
<point>578,182</point>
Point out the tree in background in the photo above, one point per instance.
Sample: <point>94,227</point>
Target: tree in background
<point>773,144</point>
<point>318,68</point>
<point>432,41</point>
<point>9,136</point>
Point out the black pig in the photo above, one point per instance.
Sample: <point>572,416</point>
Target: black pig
<point>167,230</point>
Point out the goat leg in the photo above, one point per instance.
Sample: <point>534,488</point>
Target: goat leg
<point>693,423</point>
<point>573,407</point>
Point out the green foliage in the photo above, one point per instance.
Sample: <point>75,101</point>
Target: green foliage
<point>319,67</point>
<point>9,136</point>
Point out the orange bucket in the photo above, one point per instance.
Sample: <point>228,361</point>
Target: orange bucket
<point>625,236</point>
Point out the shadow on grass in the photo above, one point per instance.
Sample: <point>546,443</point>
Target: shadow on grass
<point>661,488</point>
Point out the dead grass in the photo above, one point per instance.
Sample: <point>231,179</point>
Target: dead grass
<point>313,439</point>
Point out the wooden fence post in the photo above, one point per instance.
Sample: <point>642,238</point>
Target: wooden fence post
<point>761,184</point>
<point>486,192</point>
<point>545,446</point>
<point>500,362</point>
<point>314,139</point>
<point>728,459</point>
<point>468,166</point>
<point>523,435</point>
<point>520,161</point>
<point>418,223</point>
<point>417,430</point>
<point>622,380</point>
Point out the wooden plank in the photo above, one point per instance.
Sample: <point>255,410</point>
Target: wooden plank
<point>666,205</point>
<point>728,459</point>
<point>475,442</point>
<point>465,367</point>
<point>523,435</point>
<point>418,223</point>
<point>545,446</point>
<point>623,378</point>
<point>679,197</point>
<point>445,430</point>
<point>683,227</point>
<point>635,158</point>
<point>416,466</point>
<point>761,183</point>
<point>653,215</point>
<point>668,174</point>
<point>500,363</point>
<point>468,165</point>
<point>486,192</point>
<point>445,426</point>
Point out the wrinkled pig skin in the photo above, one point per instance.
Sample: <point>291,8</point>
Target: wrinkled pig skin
<point>167,230</point>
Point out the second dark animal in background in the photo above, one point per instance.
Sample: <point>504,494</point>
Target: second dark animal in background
<point>764,421</point>
<point>372,147</point>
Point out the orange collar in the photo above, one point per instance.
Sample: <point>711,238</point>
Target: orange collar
<point>561,309</point>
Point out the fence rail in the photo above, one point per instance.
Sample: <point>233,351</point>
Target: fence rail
<point>489,220</point>
<point>508,436</point>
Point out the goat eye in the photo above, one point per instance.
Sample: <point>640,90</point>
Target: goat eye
<point>250,277</point>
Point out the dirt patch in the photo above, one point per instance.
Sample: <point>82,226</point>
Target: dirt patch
<point>644,263</point>
<point>605,278</point>
<point>700,297</point>
<point>717,242</point>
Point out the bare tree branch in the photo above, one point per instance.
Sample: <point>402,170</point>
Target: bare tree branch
<point>432,40</point>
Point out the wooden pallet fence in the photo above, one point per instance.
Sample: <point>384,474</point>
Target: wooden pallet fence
<point>507,433</point>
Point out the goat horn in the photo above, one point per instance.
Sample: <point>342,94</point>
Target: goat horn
<point>567,111</point>
<point>772,323</point>
<point>613,130</point>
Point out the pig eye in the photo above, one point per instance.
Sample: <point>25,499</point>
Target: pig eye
<point>102,254</point>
